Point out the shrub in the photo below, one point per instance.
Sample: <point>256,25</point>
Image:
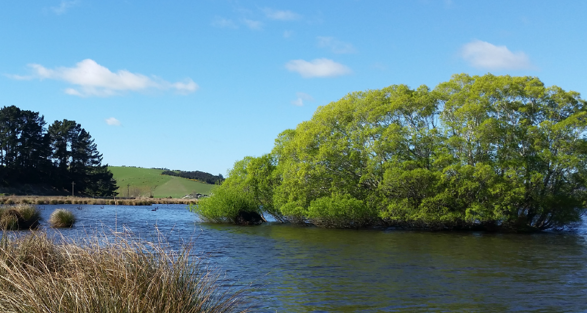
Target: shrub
<point>224,206</point>
<point>62,218</point>
<point>114,274</point>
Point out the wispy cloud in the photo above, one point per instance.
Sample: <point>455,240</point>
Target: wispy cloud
<point>252,24</point>
<point>317,68</point>
<point>335,45</point>
<point>301,97</point>
<point>221,22</point>
<point>113,121</point>
<point>287,33</point>
<point>281,15</point>
<point>64,6</point>
<point>483,55</point>
<point>93,79</point>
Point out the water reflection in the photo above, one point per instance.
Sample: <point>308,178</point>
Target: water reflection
<point>302,269</point>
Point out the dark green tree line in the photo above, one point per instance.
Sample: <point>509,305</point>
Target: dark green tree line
<point>476,152</point>
<point>58,155</point>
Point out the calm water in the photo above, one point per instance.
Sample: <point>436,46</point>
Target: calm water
<point>306,269</point>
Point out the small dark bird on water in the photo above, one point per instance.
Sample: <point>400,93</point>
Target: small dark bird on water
<point>155,209</point>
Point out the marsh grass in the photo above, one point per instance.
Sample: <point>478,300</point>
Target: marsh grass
<point>61,218</point>
<point>22,216</point>
<point>114,274</point>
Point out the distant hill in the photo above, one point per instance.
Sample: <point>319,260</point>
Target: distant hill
<point>137,181</point>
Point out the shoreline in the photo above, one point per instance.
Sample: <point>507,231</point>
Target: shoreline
<point>8,200</point>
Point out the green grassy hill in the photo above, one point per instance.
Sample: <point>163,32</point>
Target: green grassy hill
<point>135,181</point>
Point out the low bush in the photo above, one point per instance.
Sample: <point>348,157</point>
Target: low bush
<point>225,205</point>
<point>62,218</point>
<point>114,274</point>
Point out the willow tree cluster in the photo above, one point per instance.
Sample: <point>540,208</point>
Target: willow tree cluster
<point>476,152</point>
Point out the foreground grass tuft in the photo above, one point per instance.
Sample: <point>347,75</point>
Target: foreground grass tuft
<point>23,216</point>
<point>114,275</point>
<point>61,218</point>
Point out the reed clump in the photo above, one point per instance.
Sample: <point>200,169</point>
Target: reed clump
<point>22,216</point>
<point>62,218</point>
<point>114,274</point>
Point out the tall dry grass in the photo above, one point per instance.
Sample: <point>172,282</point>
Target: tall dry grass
<point>114,275</point>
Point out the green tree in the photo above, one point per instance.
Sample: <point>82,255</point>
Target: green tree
<point>77,160</point>
<point>24,149</point>
<point>476,152</point>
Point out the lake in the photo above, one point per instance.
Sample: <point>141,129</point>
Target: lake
<point>308,269</point>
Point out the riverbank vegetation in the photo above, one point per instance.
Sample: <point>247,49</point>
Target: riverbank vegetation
<point>40,200</point>
<point>22,216</point>
<point>63,155</point>
<point>476,152</point>
<point>117,274</point>
<point>62,218</point>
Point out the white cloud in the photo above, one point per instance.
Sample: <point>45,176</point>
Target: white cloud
<point>301,97</point>
<point>287,33</point>
<point>255,25</point>
<point>317,68</point>
<point>94,79</point>
<point>64,6</point>
<point>281,15</point>
<point>481,54</point>
<point>113,121</point>
<point>335,46</point>
<point>223,23</point>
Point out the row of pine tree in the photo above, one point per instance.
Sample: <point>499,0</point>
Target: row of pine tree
<point>63,155</point>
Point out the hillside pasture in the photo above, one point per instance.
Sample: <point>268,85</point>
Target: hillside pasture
<point>146,182</point>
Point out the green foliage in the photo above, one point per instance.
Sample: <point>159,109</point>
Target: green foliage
<point>476,152</point>
<point>341,211</point>
<point>225,204</point>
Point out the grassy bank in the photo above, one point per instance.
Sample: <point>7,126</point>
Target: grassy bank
<point>80,200</point>
<point>114,275</point>
<point>137,182</point>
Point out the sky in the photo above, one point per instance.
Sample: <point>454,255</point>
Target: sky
<point>198,85</point>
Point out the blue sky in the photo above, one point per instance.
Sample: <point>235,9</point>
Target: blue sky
<point>198,85</point>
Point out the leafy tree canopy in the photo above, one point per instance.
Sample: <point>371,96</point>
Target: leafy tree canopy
<point>476,152</point>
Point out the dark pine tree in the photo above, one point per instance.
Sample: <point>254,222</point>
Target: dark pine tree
<point>77,160</point>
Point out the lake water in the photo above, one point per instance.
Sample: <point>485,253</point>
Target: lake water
<point>307,269</point>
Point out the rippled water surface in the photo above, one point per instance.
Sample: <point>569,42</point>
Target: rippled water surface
<point>306,269</point>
